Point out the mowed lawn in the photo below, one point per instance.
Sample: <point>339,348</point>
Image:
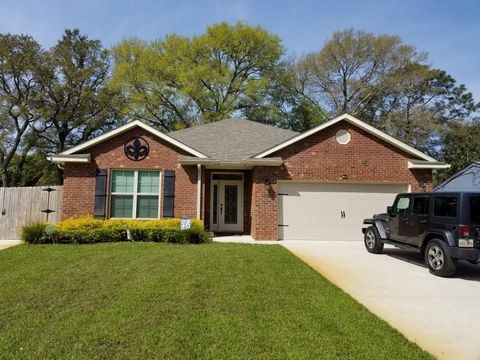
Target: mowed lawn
<point>150,300</point>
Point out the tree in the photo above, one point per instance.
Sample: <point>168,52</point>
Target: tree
<point>386,83</point>
<point>76,104</point>
<point>21,60</point>
<point>420,106</point>
<point>179,81</point>
<point>354,68</point>
<point>31,169</point>
<point>284,102</point>
<point>461,147</point>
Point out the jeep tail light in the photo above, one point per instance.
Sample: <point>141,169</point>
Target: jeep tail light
<point>465,231</point>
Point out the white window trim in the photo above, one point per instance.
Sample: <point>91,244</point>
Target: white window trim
<point>136,193</point>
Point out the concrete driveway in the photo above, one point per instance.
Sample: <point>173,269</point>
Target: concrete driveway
<point>441,315</point>
<point>5,244</point>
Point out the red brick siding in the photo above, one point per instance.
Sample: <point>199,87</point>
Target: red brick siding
<point>319,157</point>
<point>79,184</point>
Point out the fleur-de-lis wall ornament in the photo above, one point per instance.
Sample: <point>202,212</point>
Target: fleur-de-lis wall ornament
<point>137,149</point>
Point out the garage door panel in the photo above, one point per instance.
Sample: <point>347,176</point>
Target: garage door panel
<point>313,211</point>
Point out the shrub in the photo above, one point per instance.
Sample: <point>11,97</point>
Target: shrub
<point>91,223</point>
<point>80,224</point>
<point>90,231</point>
<point>88,236</point>
<point>34,233</point>
<point>170,235</point>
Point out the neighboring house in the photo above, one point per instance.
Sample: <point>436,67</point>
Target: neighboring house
<point>467,179</point>
<point>244,177</point>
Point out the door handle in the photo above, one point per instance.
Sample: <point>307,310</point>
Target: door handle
<point>221,209</point>
<point>423,221</point>
<point>404,219</point>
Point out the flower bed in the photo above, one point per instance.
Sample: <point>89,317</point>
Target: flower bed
<point>90,231</point>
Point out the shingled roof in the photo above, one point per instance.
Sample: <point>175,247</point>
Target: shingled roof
<point>232,139</point>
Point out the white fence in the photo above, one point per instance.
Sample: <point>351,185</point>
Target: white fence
<point>22,205</point>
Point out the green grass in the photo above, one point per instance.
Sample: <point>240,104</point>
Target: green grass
<point>147,300</point>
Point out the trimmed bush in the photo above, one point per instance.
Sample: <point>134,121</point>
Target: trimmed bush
<point>88,236</point>
<point>91,231</point>
<point>171,235</point>
<point>91,223</point>
<point>33,233</point>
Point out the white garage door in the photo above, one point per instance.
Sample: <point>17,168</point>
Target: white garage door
<point>313,211</point>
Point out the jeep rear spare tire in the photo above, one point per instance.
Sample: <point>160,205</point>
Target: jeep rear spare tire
<point>438,259</point>
<point>372,241</point>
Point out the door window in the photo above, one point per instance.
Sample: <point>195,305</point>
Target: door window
<point>231,204</point>
<point>402,205</point>
<point>215,204</point>
<point>420,205</point>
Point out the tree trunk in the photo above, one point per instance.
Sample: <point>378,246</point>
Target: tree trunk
<point>3,172</point>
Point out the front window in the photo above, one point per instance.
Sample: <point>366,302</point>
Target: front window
<point>402,205</point>
<point>135,194</point>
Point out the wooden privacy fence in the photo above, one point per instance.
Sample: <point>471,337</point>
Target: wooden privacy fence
<point>22,205</point>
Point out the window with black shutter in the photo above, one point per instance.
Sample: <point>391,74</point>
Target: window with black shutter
<point>169,194</point>
<point>100,193</point>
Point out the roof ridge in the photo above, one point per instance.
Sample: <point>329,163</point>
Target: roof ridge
<point>216,123</point>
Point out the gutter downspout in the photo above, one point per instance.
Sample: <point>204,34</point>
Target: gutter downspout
<point>199,190</point>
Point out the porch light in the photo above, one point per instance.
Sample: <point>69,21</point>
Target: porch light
<point>266,183</point>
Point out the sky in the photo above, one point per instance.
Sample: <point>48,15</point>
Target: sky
<point>448,30</point>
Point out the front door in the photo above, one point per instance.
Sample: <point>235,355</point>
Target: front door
<point>399,223</point>
<point>227,205</point>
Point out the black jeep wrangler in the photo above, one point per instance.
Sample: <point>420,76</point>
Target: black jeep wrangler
<point>444,226</point>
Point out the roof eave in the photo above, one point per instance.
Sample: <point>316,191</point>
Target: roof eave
<point>126,127</point>
<point>75,158</point>
<point>416,164</point>
<point>221,164</point>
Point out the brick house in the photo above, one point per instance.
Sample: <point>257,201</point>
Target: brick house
<point>244,177</point>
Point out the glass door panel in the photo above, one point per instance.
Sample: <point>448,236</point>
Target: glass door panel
<point>231,204</point>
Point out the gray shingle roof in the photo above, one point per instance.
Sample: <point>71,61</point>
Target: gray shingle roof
<point>232,139</point>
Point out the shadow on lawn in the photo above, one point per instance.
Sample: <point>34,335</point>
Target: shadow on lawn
<point>465,270</point>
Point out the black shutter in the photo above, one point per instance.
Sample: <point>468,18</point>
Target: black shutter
<point>100,194</point>
<point>168,193</point>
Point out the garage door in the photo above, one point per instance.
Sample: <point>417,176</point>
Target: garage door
<point>313,211</point>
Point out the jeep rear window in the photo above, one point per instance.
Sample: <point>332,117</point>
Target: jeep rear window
<point>445,206</point>
<point>475,209</point>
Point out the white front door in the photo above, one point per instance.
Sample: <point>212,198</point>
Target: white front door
<point>227,205</point>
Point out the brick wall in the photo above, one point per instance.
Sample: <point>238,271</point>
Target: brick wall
<point>365,159</point>
<point>79,183</point>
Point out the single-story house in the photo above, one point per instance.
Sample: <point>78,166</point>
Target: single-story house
<point>244,177</point>
<point>467,179</point>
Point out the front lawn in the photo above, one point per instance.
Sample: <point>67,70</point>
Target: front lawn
<point>150,300</point>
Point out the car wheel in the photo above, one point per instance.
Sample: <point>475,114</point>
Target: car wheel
<point>438,259</point>
<point>372,241</point>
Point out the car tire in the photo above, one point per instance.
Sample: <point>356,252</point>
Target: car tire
<point>438,259</point>
<point>372,241</point>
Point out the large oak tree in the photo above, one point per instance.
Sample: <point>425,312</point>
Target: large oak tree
<point>21,61</point>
